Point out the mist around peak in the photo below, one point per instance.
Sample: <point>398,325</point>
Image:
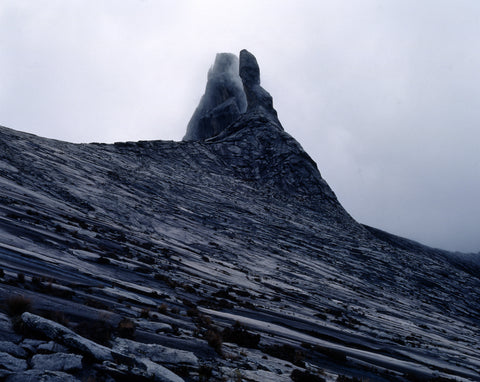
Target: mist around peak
<point>233,88</point>
<point>223,102</point>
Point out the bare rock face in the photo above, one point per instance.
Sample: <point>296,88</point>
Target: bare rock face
<point>233,88</point>
<point>257,97</point>
<point>223,102</point>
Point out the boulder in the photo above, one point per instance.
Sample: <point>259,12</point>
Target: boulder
<point>12,349</point>
<point>57,362</point>
<point>152,370</point>
<point>67,337</point>
<point>155,352</point>
<point>41,376</point>
<point>6,330</point>
<point>11,363</point>
<point>30,345</point>
<point>143,369</point>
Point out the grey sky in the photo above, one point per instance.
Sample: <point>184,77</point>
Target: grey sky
<point>384,95</point>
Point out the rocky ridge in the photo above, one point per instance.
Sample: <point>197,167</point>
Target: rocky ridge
<point>221,258</point>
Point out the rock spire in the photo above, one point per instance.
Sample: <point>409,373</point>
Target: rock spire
<point>257,97</point>
<point>233,88</point>
<point>223,102</point>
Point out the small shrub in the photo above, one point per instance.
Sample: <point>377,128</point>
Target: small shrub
<point>18,304</point>
<point>163,308</point>
<point>103,260</point>
<point>287,353</point>
<point>189,289</point>
<point>145,313</point>
<point>193,312</point>
<point>343,378</point>
<point>2,273</point>
<point>142,269</point>
<point>239,335</point>
<point>304,376</point>
<point>21,278</point>
<point>214,339</point>
<point>99,331</point>
<point>96,304</point>
<point>126,328</point>
<point>205,321</point>
<point>205,373</point>
<point>36,281</point>
<point>334,354</point>
<point>160,277</point>
<point>56,316</point>
<point>147,259</point>
<point>188,303</point>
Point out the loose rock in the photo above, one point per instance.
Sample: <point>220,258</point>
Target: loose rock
<point>41,376</point>
<point>12,363</point>
<point>155,352</point>
<point>12,349</point>
<point>51,347</point>
<point>67,337</point>
<point>57,362</point>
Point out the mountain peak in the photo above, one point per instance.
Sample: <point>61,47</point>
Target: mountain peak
<point>233,88</point>
<point>223,102</point>
<point>236,119</point>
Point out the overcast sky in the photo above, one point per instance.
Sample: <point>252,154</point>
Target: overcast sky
<point>384,95</point>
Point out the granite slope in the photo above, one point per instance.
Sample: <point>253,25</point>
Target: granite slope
<point>226,258</point>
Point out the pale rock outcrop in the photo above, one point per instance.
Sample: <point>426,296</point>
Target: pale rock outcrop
<point>127,357</point>
<point>155,352</point>
<point>67,337</point>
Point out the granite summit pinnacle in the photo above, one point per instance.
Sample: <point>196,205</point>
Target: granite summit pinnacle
<point>233,88</point>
